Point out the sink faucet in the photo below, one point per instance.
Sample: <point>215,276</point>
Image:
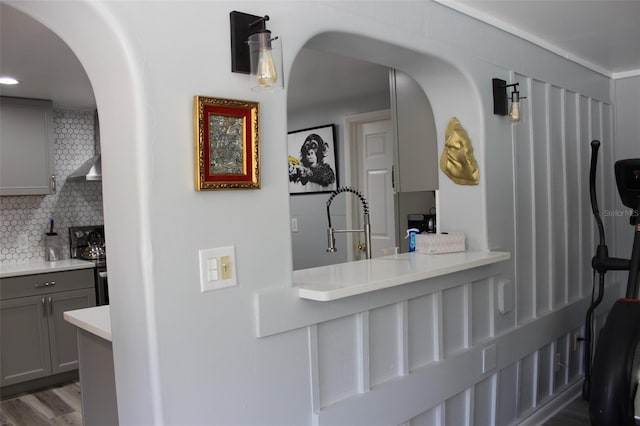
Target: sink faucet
<point>367,225</point>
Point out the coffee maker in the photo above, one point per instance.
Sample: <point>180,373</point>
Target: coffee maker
<point>422,222</point>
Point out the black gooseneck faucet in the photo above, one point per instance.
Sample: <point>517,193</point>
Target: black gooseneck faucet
<point>367,224</point>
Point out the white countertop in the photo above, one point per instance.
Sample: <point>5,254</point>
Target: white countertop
<point>96,320</point>
<point>29,268</point>
<point>333,282</point>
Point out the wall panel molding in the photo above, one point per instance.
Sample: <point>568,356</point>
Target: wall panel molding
<point>432,384</point>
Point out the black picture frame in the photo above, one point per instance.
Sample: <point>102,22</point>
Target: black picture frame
<point>306,176</point>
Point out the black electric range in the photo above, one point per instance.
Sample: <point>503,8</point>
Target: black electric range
<point>88,243</point>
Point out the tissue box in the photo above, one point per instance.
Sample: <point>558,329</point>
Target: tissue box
<point>440,243</point>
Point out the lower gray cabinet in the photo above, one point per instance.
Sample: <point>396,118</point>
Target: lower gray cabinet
<point>35,340</point>
<point>24,354</point>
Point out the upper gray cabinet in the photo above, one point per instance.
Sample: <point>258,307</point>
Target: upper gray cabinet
<point>417,159</point>
<point>26,147</point>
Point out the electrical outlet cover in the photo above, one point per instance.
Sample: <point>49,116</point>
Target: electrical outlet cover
<point>505,296</point>
<point>489,358</point>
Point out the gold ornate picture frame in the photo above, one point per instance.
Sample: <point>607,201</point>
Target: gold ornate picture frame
<point>227,153</point>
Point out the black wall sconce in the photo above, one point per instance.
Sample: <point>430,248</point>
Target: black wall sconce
<point>501,102</point>
<point>254,52</point>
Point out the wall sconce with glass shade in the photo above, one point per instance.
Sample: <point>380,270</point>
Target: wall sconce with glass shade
<point>255,52</point>
<point>501,101</point>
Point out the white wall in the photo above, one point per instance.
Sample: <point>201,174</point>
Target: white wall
<point>184,357</point>
<point>627,100</point>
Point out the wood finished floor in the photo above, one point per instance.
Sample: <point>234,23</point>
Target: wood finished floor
<point>55,406</point>
<point>574,414</point>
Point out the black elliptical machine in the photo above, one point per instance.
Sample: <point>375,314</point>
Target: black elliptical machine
<point>611,382</point>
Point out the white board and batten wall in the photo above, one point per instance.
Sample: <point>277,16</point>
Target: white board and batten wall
<point>430,349</point>
<point>421,354</point>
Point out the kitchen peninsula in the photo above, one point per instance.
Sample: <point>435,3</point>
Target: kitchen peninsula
<point>334,282</point>
<point>329,292</point>
<point>95,353</point>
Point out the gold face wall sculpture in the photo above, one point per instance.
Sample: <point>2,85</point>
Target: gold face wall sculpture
<point>457,159</point>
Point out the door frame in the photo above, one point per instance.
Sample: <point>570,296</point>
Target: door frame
<point>351,125</point>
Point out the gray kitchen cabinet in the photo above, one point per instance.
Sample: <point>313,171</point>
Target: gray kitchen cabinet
<point>26,147</point>
<point>35,340</point>
<point>24,354</point>
<point>417,148</point>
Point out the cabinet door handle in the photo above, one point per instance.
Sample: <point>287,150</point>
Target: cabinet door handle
<point>44,307</point>
<point>53,183</point>
<point>50,306</point>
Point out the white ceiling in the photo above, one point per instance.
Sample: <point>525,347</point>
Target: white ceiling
<point>601,34</point>
<point>42,62</point>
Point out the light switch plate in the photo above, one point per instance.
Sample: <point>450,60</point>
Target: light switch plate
<point>225,267</point>
<point>223,274</point>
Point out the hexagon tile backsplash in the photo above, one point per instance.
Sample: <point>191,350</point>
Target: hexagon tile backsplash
<point>25,219</point>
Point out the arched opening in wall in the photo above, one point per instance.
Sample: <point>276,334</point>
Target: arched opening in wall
<point>49,73</point>
<point>107,63</point>
<point>369,98</point>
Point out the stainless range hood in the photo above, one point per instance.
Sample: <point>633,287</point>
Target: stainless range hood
<point>91,170</point>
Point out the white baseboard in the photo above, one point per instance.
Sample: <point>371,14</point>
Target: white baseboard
<point>550,409</point>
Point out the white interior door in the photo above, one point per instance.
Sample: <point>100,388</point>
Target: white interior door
<point>375,146</point>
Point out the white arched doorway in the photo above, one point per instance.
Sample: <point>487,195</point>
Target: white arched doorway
<point>452,93</point>
<point>98,43</point>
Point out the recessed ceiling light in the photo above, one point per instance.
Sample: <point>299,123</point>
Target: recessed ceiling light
<point>8,80</point>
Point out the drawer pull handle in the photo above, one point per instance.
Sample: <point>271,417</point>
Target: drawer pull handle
<point>53,283</point>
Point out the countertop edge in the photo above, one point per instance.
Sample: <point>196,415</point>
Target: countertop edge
<point>340,293</point>
<point>95,320</point>
<point>10,270</point>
